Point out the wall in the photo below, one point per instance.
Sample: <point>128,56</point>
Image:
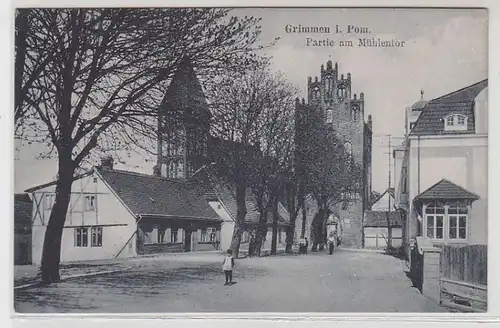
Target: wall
<point>227,226</point>
<point>376,237</point>
<point>117,223</point>
<point>462,160</point>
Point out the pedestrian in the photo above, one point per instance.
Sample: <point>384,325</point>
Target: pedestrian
<point>307,245</point>
<point>227,267</point>
<point>331,243</point>
<point>302,245</point>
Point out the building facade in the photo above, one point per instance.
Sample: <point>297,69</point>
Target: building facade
<point>345,113</point>
<point>442,190</point>
<point>119,214</point>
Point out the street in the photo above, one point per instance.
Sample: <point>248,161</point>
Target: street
<point>347,281</point>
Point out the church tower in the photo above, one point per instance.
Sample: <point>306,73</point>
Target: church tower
<point>183,126</point>
<point>331,93</point>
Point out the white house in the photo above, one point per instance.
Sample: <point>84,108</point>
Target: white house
<point>116,213</point>
<point>442,190</point>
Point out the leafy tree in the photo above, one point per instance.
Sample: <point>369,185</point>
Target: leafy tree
<point>90,80</point>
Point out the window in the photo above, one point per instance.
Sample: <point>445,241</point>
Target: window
<point>173,236</point>
<point>164,172</point>
<point>245,238</point>
<point>90,203</point>
<point>329,116</point>
<point>204,236</point>
<point>81,237</point>
<point>180,169</point>
<point>455,122</point>
<point>434,216</point>
<point>207,235</point>
<point>49,201</point>
<point>316,94</point>
<point>457,216</point>
<point>161,236</point>
<point>329,85</point>
<point>96,236</point>
<point>405,180</point>
<point>340,92</point>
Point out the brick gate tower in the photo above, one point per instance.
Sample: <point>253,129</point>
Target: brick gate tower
<point>331,93</point>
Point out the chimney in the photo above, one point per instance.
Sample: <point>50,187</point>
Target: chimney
<point>107,162</point>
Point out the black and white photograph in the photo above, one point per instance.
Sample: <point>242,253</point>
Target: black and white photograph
<point>250,159</point>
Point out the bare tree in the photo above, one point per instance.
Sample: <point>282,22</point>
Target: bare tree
<point>252,110</point>
<point>101,77</point>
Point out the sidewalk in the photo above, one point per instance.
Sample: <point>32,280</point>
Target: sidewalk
<point>26,275</point>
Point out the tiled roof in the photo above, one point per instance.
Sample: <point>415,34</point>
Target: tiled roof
<point>446,189</point>
<point>379,218</point>
<point>217,189</point>
<point>23,211</point>
<point>431,120</point>
<point>152,195</point>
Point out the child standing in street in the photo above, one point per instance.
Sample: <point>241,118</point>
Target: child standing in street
<point>227,266</point>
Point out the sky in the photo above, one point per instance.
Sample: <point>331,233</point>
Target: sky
<point>445,50</point>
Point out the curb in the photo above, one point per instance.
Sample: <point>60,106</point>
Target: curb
<point>71,277</point>
<point>361,250</point>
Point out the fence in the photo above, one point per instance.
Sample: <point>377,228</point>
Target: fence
<point>467,263</point>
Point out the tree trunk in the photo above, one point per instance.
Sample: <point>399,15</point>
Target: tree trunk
<point>274,239</point>
<point>51,256</point>
<point>290,233</point>
<point>240,218</point>
<point>304,217</point>
<point>260,232</point>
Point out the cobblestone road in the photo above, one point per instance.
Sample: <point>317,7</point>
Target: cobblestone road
<point>344,282</point>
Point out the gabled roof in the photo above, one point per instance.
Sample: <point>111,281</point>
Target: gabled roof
<point>52,183</point>
<point>445,189</point>
<point>215,189</point>
<point>379,218</point>
<point>389,191</point>
<point>156,196</point>
<point>431,120</point>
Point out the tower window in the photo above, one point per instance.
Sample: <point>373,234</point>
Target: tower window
<point>329,115</point>
<point>355,112</point>
<point>328,84</point>
<point>341,92</point>
<point>316,93</point>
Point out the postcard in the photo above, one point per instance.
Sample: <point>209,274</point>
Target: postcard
<point>230,160</point>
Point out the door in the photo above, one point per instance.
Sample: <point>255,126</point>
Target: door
<point>187,240</point>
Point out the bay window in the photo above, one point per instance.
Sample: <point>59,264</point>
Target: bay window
<point>446,221</point>
<point>457,216</point>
